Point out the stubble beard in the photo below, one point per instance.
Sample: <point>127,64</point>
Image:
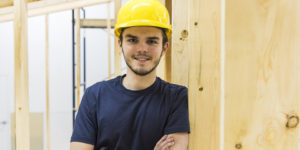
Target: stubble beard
<point>145,72</point>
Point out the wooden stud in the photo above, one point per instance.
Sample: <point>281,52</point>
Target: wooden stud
<point>262,74</point>
<point>77,28</point>
<point>108,40</point>
<point>21,75</point>
<point>168,56</point>
<point>47,80</point>
<point>49,6</point>
<point>6,3</point>
<point>95,23</point>
<point>179,45</point>
<point>160,71</point>
<point>117,51</point>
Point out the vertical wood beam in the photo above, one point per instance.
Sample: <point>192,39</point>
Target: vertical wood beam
<point>196,64</point>
<point>21,75</point>
<point>262,75</point>
<point>168,56</point>
<point>204,73</point>
<point>77,28</point>
<point>47,80</point>
<point>117,51</point>
<point>108,21</point>
<point>161,66</point>
<point>180,55</point>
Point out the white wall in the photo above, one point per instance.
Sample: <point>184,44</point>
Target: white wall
<point>60,67</point>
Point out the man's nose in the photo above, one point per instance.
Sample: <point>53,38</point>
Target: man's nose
<point>142,47</point>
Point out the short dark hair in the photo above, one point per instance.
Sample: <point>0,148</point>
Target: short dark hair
<point>163,30</point>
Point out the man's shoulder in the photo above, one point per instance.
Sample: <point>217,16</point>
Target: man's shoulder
<point>103,84</point>
<point>173,87</point>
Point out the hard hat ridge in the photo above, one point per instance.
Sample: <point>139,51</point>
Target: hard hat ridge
<point>143,13</point>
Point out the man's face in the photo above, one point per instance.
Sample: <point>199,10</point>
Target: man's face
<point>142,48</point>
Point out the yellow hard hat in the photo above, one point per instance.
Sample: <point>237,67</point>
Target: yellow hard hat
<point>143,13</point>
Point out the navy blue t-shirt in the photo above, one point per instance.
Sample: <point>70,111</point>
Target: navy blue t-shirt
<point>113,117</point>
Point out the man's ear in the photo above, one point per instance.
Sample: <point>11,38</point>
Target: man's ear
<point>165,48</point>
<point>120,43</point>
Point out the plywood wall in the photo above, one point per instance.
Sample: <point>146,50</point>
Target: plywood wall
<point>262,73</point>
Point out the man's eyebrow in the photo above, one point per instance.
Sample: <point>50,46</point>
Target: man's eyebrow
<point>130,36</point>
<point>153,38</point>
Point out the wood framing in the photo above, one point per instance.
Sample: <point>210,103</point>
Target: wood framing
<point>95,23</point>
<point>77,47</point>
<point>47,81</point>
<point>160,71</point>
<point>168,56</point>
<point>21,75</point>
<point>108,40</point>
<point>49,6</point>
<point>117,51</point>
<point>6,3</point>
<point>262,73</point>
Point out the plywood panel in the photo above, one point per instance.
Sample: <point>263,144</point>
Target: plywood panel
<point>204,74</point>
<point>262,72</point>
<point>180,53</point>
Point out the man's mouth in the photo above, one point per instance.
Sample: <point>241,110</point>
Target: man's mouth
<point>142,58</point>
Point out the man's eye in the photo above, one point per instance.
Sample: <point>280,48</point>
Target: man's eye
<point>152,42</point>
<point>132,40</point>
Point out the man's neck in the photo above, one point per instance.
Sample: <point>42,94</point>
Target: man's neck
<point>135,82</point>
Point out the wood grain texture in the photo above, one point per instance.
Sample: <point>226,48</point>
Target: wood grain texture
<point>95,23</point>
<point>160,70</point>
<point>108,26</point>
<point>6,3</point>
<point>47,81</point>
<point>262,73</point>
<point>168,56</point>
<point>180,55</point>
<point>21,75</point>
<point>204,74</point>
<point>77,47</point>
<point>117,50</point>
<point>49,6</point>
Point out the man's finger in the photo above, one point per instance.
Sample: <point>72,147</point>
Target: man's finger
<point>166,143</point>
<point>162,139</point>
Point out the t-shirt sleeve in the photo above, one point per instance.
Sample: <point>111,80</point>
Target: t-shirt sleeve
<point>178,120</point>
<point>85,128</point>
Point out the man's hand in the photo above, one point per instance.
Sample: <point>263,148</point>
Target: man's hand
<point>164,143</point>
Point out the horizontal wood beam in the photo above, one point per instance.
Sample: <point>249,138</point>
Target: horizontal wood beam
<point>7,3</point>
<point>47,7</point>
<point>95,23</point>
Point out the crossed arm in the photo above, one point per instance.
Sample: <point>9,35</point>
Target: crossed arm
<point>175,141</point>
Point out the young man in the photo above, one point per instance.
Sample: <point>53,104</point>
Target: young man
<point>136,111</point>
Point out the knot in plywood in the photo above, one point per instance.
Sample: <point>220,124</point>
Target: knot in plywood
<point>292,121</point>
<point>238,146</point>
<point>184,35</point>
